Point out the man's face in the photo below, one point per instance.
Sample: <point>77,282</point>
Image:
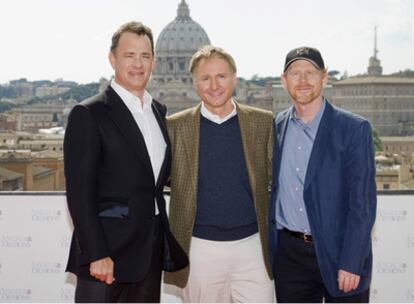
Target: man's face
<point>215,83</point>
<point>133,62</point>
<point>304,82</point>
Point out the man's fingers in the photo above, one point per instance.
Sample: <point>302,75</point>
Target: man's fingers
<point>341,281</point>
<point>103,270</point>
<point>356,283</point>
<point>104,275</point>
<point>347,281</point>
<point>109,279</point>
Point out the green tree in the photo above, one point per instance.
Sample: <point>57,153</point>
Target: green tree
<point>377,140</point>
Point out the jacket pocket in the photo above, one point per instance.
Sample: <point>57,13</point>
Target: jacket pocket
<point>113,209</point>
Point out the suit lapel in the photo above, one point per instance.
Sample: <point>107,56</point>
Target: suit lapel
<point>124,120</point>
<point>191,134</point>
<point>281,128</point>
<point>248,130</point>
<point>163,127</point>
<point>161,122</point>
<point>320,145</point>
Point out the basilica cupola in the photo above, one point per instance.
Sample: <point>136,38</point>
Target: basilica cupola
<point>177,42</point>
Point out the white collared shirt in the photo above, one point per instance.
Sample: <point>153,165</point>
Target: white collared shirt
<point>214,117</point>
<point>147,124</point>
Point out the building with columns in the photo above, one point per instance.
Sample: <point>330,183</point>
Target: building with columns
<point>386,101</point>
<point>171,81</point>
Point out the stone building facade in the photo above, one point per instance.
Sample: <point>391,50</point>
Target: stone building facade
<point>386,101</point>
<point>171,82</point>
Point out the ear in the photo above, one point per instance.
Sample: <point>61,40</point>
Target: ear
<point>325,78</point>
<point>194,82</point>
<point>235,79</point>
<point>283,79</point>
<point>112,59</point>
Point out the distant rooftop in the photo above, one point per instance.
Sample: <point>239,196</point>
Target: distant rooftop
<point>40,170</point>
<point>47,154</point>
<point>397,138</point>
<point>8,174</point>
<point>8,154</point>
<point>376,80</point>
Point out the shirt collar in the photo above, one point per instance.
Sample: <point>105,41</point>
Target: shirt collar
<point>214,117</point>
<point>130,99</point>
<point>314,123</point>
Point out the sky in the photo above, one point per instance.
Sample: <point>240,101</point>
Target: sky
<point>69,39</point>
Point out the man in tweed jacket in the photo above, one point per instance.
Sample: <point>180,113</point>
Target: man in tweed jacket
<point>219,188</point>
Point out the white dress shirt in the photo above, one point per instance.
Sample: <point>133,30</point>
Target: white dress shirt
<point>214,117</point>
<point>147,124</point>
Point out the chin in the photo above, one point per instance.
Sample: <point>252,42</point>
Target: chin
<point>304,101</point>
<point>215,103</point>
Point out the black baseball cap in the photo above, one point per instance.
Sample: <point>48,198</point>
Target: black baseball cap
<point>305,53</point>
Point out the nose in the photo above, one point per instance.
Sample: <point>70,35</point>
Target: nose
<point>137,61</point>
<point>303,76</point>
<point>213,84</point>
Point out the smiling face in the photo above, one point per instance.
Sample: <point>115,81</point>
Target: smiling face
<point>133,62</point>
<point>215,82</point>
<point>304,82</point>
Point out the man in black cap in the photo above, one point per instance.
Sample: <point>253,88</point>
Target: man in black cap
<point>323,198</point>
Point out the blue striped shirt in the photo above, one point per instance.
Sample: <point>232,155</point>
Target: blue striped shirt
<point>297,148</point>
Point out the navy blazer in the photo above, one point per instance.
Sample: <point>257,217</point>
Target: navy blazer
<point>339,195</point>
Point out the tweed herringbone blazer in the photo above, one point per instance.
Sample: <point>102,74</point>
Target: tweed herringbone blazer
<point>256,127</point>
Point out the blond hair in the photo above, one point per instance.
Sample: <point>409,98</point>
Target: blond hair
<point>208,52</point>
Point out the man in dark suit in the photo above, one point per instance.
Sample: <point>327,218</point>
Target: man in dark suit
<point>323,199</point>
<point>117,160</point>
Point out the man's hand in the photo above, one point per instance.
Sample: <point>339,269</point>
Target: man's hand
<point>347,281</point>
<point>103,270</point>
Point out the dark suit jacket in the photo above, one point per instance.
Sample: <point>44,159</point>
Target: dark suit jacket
<point>339,194</point>
<point>111,189</point>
